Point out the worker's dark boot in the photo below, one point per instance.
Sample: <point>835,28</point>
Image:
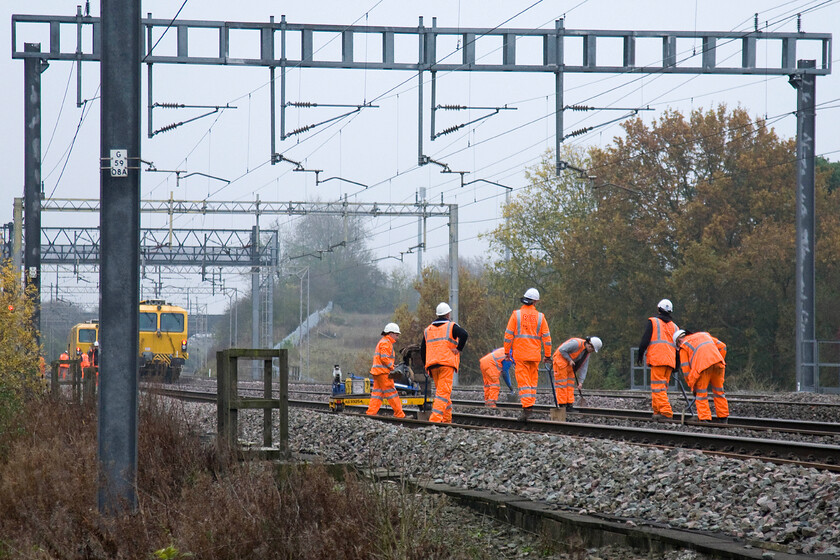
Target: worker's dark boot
<point>724,420</point>
<point>525,415</point>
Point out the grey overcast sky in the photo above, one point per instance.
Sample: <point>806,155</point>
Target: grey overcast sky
<point>378,146</point>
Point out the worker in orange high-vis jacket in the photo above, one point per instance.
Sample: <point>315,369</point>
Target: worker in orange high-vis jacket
<point>63,369</point>
<point>570,363</point>
<point>492,365</point>
<point>440,350</point>
<point>85,362</point>
<point>658,345</point>
<point>384,360</point>
<point>703,364</point>
<point>527,339</point>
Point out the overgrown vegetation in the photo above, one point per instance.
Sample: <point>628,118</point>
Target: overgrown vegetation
<point>195,502</point>
<point>18,350</point>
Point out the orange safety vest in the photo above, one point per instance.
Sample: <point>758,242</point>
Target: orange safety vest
<point>574,354</point>
<point>660,351</point>
<point>85,360</point>
<point>721,347</point>
<point>441,345</point>
<point>527,332</point>
<point>64,367</point>
<point>495,358</point>
<point>383,357</point>
<point>698,352</point>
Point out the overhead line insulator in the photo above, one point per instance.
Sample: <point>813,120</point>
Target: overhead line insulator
<point>300,130</point>
<point>167,128</point>
<point>579,131</point>
<point>580,107</point>
<point>452,107</point>
<point>301,104</point>
<point>170,105</point>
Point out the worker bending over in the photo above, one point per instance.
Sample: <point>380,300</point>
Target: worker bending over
<point>493,366</point>
<point>658,345</point>
<point>701,358</point>
<point>440,350</point>
<point>526,335</point>
<point>384,360</point>
<point>571,362</point>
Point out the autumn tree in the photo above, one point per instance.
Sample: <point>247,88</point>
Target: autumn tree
<point>478,312</point>
<point>19,350</point>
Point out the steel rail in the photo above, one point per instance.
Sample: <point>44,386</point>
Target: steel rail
<point>805,427</point>
<point>645,395</point>
<point>813,454</point>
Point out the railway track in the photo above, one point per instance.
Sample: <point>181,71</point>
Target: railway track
<point>808,454</point>
<point>804,427</point>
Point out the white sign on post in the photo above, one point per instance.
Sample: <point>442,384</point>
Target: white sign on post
<point>119,163</point>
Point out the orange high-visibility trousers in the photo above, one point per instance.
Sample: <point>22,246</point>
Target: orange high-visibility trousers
<point>383,390</point>
<point>564,381</point>
<point>527,374</point>
<point>490,374</point>
<point>442,405</point>
<point>712,375</point>
<point>660,377</point>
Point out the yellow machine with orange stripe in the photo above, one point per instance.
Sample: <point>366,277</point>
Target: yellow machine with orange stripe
<point>163,339</point>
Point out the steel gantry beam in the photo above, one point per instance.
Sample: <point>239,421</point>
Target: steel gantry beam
<point>259,207</point>
<point>199,248</point>
<point>65,237</point>
<point>269,43</point>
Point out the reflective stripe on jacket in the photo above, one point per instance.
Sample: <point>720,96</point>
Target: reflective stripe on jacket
<point>661,350</point>
<point>441,345</point>
<point>527,333</point>
<point>495,358</point>
<point>64,356</point>
<point>721,347</point>
<point>698,351</point>
<point>383,357</point>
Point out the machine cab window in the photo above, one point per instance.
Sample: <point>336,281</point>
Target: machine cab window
<point>87,336</point>
<point>148,322</point>
<point>171,322</point>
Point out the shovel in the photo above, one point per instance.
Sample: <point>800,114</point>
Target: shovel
<point>580,392</point>
<point>689,404</point>
<point>549,370</point>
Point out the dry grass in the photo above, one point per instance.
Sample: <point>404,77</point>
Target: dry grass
<point>194,501</point>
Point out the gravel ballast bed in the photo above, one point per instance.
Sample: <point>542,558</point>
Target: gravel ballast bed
<point>792,507</point>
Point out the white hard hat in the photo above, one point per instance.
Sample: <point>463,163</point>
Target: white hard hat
<point>96,343</point>
<point>678,334</point>
<point>532,294</point>
<point>390,328</point>
<point>595,342</point>
<point>442,309</point>
<point>665,305</point>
